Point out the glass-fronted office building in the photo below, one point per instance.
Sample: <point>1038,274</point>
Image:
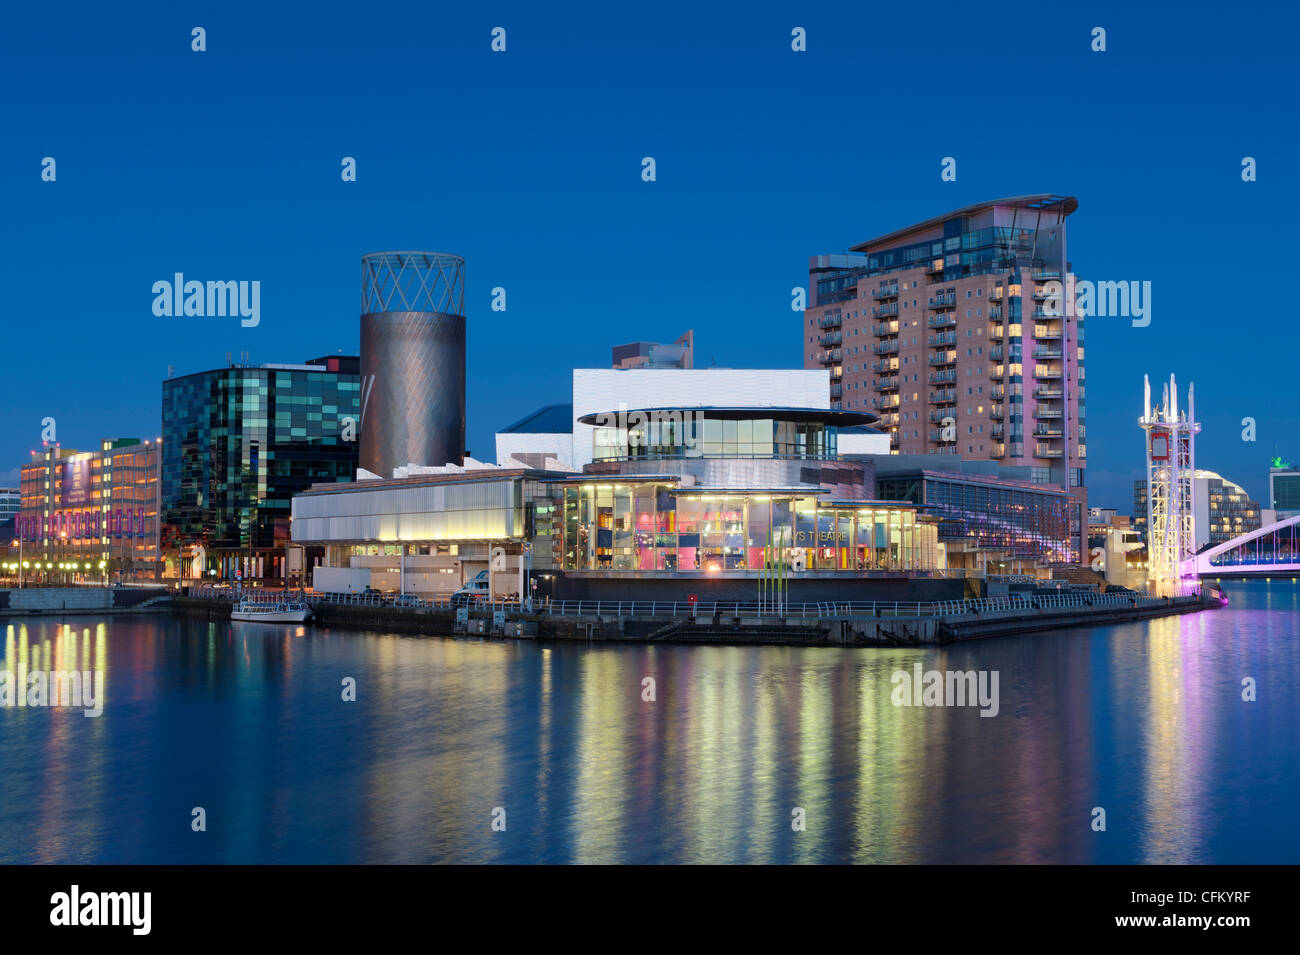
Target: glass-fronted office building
<point>90,516</point>
<point>239,443</point>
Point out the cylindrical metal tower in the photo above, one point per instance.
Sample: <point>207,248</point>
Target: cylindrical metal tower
<point>412,360</point>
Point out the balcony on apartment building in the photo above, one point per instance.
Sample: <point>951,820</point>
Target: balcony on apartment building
<point>888,291</point>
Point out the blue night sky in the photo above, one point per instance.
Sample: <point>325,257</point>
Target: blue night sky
<point>225,165</point>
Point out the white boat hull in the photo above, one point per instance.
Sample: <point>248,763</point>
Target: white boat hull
<point>270,616</point>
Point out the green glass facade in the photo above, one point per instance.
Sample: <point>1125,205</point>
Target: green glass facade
<point>238,443</point>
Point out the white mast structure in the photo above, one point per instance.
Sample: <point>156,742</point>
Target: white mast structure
<point>1171,469</point>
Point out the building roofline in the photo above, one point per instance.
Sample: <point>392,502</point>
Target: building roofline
<point>1043,200</point>
<point>519,426</point>
<point>478,474</point>
<point>833,416</point>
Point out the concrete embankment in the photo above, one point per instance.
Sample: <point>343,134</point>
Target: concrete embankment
<point>721,628</point>
<point>65,601</point>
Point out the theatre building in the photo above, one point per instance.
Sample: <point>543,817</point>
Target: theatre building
<point>675,501</point>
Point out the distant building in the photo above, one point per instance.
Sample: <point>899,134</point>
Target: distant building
<point>1223,509</point>
<point>680,354</point>
<point>1284,489</point>
<point>238,443</point>
<point>1115,549</point>
<point>10,502</point>
<point>91,516</point>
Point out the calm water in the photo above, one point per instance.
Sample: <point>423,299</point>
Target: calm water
<point>247,721</point>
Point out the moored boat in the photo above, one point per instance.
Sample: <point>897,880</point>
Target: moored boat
<point>271,611</point>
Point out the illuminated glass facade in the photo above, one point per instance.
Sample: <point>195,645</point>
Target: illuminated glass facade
<point>89,516</point>
<point>239,442</point>
<point>649,525</point>
<point>1026,521</point>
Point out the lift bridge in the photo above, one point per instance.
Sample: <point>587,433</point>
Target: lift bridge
<point>1173,565</point>
<point>1171,507</point>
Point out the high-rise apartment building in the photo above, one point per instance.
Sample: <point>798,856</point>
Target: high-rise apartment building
<point>953,332</point>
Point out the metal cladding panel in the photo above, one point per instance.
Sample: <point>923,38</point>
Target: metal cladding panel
<point>412,390</point>
<point>477,510</point>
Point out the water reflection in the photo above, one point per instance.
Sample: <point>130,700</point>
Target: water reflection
<point>249,722</point>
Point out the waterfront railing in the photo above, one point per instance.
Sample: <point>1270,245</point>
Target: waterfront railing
<point>810,610</point>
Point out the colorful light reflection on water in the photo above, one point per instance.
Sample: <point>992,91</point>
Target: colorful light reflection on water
<point>1144,720</point>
